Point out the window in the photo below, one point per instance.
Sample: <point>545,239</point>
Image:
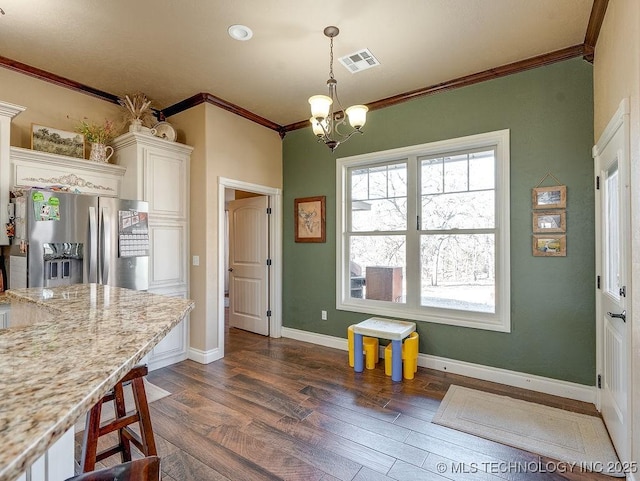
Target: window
<point>423,232</point>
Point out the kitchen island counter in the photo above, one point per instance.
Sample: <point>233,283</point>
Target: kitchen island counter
<point>65,348</point>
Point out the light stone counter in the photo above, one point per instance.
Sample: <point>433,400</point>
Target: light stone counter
<point>58,360</point>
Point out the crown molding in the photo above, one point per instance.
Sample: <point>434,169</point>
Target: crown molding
<point>586,50</point>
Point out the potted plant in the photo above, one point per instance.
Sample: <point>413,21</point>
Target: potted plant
<point>98,135</point>
<point>137,110</point>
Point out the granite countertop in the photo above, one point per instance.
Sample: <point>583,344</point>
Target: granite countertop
<point>55,368</point>
<point>4,299</point>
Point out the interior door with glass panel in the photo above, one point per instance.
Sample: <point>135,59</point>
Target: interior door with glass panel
<point>613,296</point>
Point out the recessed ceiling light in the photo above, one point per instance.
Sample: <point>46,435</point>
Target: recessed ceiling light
<point>240,32</point>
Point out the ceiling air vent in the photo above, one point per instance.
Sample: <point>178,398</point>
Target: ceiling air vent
<point>359,61</point>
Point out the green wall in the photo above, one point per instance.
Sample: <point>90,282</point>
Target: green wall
<point>549,111</point>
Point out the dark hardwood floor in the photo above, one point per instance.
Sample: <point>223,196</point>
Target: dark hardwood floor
<point>283,409</point>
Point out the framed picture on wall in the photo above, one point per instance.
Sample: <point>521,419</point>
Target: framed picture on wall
<point>56,141</point>
<point>549,197</point>
<point>550,221</point>
<point>310,221</point>
<point>551,245</point>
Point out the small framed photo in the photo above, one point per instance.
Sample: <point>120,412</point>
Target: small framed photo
<point>310,221</point>
<point>551,245</point>
<point>550,221</point>
<point>55,141</point>
<point>549,197</point>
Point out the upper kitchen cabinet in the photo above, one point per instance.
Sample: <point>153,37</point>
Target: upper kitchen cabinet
<point>7,112</point>
<point>157,171</point>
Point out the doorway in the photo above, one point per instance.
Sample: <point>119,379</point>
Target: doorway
<point>613,265</point>
<point>274,241</point>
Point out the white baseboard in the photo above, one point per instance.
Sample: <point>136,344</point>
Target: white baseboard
<point>313,338</point>
<point>204,357</point>
<point>545,385</point>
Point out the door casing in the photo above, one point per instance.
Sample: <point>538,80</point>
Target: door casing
<point>275,240</point>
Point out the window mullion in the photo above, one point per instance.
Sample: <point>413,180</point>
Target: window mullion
<point>412,279</point>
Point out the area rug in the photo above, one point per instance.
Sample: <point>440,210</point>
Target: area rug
<point>579,440</point>
<point>108,413</point>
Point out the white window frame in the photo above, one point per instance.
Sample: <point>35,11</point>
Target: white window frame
<point>498,321</point>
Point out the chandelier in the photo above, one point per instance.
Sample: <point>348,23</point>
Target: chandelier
<point>327,114</point>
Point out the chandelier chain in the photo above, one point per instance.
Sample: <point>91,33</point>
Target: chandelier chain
<point>331,59</point>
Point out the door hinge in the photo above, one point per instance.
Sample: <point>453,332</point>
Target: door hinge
<point>623,291</point>
<point>268,262</point>
<point>269,313</point>
<point>598,282</point>
<point>599,381</point>
<point>268,210</point>
<point>418,222</point>
<point>597,182</point>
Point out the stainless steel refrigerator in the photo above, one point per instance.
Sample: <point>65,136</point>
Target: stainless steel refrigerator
<point>63,238</point>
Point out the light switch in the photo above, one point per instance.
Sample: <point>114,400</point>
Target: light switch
<point>196,260</point>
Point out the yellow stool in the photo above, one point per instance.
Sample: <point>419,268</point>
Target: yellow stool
<point>387,360</point>
<point>371,352</point>
<point>370,348</point>
<point>409,356</point>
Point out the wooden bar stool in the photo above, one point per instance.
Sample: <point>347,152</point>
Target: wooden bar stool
<point>145,469</point>
<point>145,442</point>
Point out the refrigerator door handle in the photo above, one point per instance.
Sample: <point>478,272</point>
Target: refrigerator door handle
<point>106,244</point>
<point>93,245</point>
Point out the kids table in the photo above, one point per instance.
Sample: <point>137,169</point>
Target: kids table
<point>381,328</point>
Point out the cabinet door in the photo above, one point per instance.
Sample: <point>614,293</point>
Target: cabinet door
<point>168,259</point>
<point>166,184</point>
<point>174,347</point>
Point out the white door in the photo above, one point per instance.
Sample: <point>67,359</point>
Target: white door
<point>248,269</point>
<point>613,298</point>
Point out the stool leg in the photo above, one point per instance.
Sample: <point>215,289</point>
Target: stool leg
<point>358,361</point>
<point>121,411</point>
<point>146,431</point>
<point>90,439</point>
<point>396,361</point>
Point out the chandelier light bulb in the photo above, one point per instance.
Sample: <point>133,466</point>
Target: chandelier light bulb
<point>357,115</point>
<point>320,106</point>
<point>318,126</point>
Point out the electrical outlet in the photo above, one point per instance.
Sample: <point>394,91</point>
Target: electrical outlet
<point>323,315</point>
<point>196,260</point>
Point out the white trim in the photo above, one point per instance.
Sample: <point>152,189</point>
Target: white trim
<point>205,357</point>
<point>315,338</point>
<point>501,320</point>
<point>532,382</point>
<point>275,240</point>
<point>546,385</point>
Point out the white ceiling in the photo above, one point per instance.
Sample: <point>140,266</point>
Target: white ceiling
<point>172,50</point>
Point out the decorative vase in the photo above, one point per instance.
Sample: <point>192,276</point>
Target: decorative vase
<point>99,152</point>
<point>136,125</point>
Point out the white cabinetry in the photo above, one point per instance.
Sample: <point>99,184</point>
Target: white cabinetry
<point>158,172</point>
<point>7,112</point>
